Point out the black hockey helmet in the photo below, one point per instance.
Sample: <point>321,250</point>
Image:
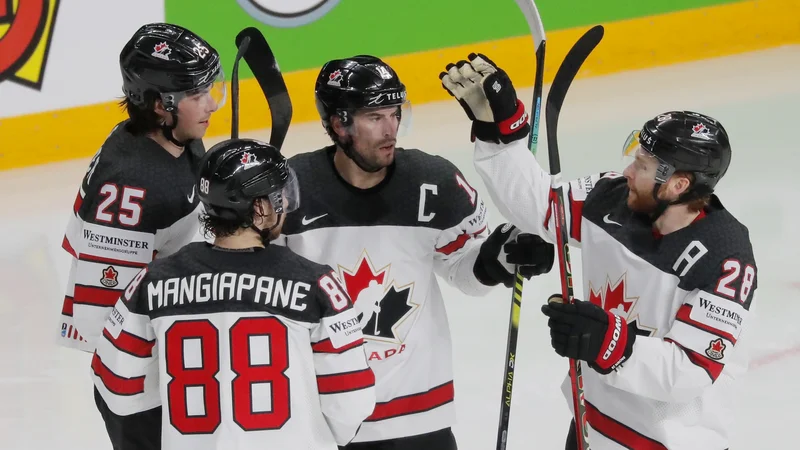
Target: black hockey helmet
<point>235,172</point>
<point>345,85</point>
<point>171,61</point>
<point>685,141</point>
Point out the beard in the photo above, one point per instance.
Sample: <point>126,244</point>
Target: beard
<point>641,201</point>
<point>374,159</point>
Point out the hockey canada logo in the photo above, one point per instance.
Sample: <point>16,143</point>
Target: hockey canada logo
<point>715,349</point>
<point>700,131</point>
<point>613,297</point>
<point>287,13</point>
<point>109,277</point>
<point>383,306</point>
<point>335,78</point>
<point>26,29</point>
<point>162,51</point>
<point>249,160</point>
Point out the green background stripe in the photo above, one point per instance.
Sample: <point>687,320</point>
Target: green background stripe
<point>386,28</point>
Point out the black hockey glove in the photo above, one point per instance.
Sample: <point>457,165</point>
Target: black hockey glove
<point>586,332</point>
<point>489,99</point>
<point>507,247</point>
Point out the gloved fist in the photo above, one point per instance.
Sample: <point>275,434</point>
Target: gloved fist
<point>507,247</point>
<point>489,99</point>
<point>586,332</point>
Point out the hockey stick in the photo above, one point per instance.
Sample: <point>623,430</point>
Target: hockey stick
<point>235,88</point>
<point>555,100</point>
<point>261,60</point>
<point>534,20</point>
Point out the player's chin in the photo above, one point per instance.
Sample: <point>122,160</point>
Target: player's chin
<point>385,155</point>
<point>199,130</point>
<point>632,197</point>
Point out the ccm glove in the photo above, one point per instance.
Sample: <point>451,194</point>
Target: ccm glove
<point>489,99</point>
<point>586,332</point>
<point>507,247</point>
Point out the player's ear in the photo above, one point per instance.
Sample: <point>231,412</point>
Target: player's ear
<point>337,126</point>
<point>681,183</point>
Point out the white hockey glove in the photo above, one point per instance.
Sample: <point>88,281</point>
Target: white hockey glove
<point>489,99</point>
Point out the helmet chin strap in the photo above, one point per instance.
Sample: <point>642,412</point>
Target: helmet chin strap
<point>166,130</point>
<point>354,156</point>
<point>349,149</point>
<point>265,233</point>
<point>662,205</point>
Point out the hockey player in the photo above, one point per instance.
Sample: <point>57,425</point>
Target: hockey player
<point>668,273</point>
<point>389,220</point>
<point>236,344</point>
<point>137,200</point>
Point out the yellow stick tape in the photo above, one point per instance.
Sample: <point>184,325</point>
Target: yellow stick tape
<point>628,45</point>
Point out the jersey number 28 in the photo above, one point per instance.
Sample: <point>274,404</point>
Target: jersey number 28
<point>259,359</point>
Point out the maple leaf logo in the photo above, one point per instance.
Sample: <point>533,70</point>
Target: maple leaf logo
<point>613,297</point>
<point>357,281</point>
<point>249,160</point>
<point>700,131</point>
<point>109,278</point>
<point>335,78</point>
<point>381,305</point>
<point>716,349</point>
<point>162,51</point>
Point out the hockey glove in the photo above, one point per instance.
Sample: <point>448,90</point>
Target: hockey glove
<point>586,332</point>
<point>489,99</point>
<point>507,247</point>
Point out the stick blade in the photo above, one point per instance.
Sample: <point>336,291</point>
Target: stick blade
<point>558,90</point>
<point>572,63</point>
<point>262,62</point>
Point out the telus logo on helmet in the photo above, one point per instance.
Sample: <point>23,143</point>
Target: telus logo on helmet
<point>286,13</point>
<point>22,32</point>
<point>384,96</point>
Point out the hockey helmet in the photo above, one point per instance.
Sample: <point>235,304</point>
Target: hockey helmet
<point>171,61</point>
<point>684,141</point>
<point>346,85</point>
<point>235,172</point>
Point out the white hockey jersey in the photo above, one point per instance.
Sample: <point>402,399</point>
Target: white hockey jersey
<point>387,243</point>
<point>136,202</point>
<point>687,295</point>
<point>214,349</point>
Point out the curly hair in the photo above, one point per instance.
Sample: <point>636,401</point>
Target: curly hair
<point>214,226</point>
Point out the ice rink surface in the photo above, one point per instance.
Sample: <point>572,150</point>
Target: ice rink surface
<point>46,393</point>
